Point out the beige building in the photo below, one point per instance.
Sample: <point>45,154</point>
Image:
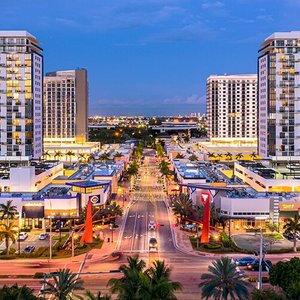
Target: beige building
<point>232,108</point>
<point>66,107</point>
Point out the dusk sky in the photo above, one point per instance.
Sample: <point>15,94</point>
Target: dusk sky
<point>150,57</point>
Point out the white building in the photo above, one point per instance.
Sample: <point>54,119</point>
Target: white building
<point>232,108</point>
<point>21,94</point>
<point>279,96</point>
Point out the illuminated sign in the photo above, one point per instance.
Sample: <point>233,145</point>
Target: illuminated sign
<point>94,199</point>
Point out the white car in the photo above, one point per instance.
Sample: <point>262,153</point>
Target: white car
<point>23,236</point>
<point>151,225</point>
<point>43,236</point>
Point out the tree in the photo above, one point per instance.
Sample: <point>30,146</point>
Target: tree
<point>239,156</point>
<point>8,233</point>
<point>82,157</point>
<point>140,283</point>
<point>132,170</point>
<point>292,225</point>
<point>15,292</point>
<point>46,154</point>
<point>228,156</point>
<point>104,156</point>
<point>186,138</point>
<point>114,210</point>
<point>71,154</point>
<point>272,226</point>
<point>179,156</point>
<point>162,286</point>
<point>62,284</point>
<point>268,294</point>
<point>193,157</point>
<point>224,281</point>
<point>283,274</point>
<point>182,206</point>
<point>118,154</point>
<point>211,155</point>
<point>58,154</point>
<point>253,155</point>
<point>90,296</point>
<point>8,211</point>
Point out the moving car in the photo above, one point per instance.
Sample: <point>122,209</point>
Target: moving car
<point>254,266</point>
<point>23,236</point>
<point>244,261</point>
<point>43,236</point>
<point>29,249</point>
<point>153,243</point>
<point>151,225</point>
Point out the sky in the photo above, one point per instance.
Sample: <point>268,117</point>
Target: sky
<point>150,57</point>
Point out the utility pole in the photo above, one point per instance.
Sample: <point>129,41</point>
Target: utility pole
<point>260,261</point>
<point>73,250</point>
<point>50,237</point>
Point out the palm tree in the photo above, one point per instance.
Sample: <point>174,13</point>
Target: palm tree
<point>253,155</point>
<point>182,206</point>
<point>8,211</point>
<point>90,296</point>
<point>58,154</point>
<point>162,286</point>
<point>62,284</point>
<point>228,156</point>
<point>104,156</point>
<point>114,210</point>
<point>179,156</point>
<point>211,155</point>
<point>292,225</point>
<point>224,281</point>
<point>128,286</point>
<point>193,157</point>
<point>118,154</point>
<point>239,156</point>
<point>46,154</point>
<point>82,157</point>
<point>70,153</point>
<point>8,233</point>
<point>220,155</point>
<point>15,292</point>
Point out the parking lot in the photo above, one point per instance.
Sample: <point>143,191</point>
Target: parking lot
<point>32,240</point>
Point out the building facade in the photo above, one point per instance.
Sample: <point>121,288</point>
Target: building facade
<point>232,108</point>
<point>66,106</point>
<point>21,96</point>
<point>279,96</point>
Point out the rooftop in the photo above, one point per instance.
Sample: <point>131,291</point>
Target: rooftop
<point>88,183</point>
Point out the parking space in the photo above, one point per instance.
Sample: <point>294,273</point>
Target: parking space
<point>32,240</point>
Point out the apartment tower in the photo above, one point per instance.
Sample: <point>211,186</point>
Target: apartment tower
<point>66,107</point>
<point>232,108</point>
<point>21,96</point>
<point>279,96</point>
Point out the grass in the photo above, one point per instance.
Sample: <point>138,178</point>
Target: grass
<point>274,235</point>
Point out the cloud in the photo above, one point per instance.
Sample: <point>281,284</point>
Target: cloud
<point>212,4</point>
<point>267,18</point>
<point>190,100</point>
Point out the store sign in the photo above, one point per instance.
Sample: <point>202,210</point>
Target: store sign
<point>95,199</point>
<point>286,206</point>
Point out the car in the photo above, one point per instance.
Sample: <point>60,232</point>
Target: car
<point>254,266</point>
<point>151,225</point>
<point>289,236</point>
<point>244,261</point>
<point>153,243</point>
<point>29,249</point>
<point>22,236</point>
<point>43,236</point>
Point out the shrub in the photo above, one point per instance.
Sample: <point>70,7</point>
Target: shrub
<point>226,240</point>
<point>38,275</point>
<point>212,246</point>
<point>7,257</point>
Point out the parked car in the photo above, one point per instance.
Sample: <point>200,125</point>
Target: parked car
<point>29,249</point>
<point>289,236</point>
<point>22,236</point>
<point>244,261</point>
<point>153,243</point>
<point>254,266</point>
<point>43,236</point>
<point>151,225</point>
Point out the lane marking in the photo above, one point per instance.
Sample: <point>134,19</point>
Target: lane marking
<point>133,233</point>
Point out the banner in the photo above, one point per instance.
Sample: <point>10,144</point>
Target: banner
<point>95,199</point>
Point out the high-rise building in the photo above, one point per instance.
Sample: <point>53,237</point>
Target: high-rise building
<point>21,96</point>
<point>279,95</point>
<point>66,106</point>
<point>232,108</point>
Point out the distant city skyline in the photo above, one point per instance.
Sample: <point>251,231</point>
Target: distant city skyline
<point>151,57</point>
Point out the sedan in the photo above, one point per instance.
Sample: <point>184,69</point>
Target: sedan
<point>153,243</point>
<point>244,261</point>
<point>29,249</point>
<point>43,236</point>
<point>254,266</point>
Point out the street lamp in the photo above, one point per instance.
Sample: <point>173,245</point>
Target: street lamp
<point>122,192</point>
<point>112,232</point>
